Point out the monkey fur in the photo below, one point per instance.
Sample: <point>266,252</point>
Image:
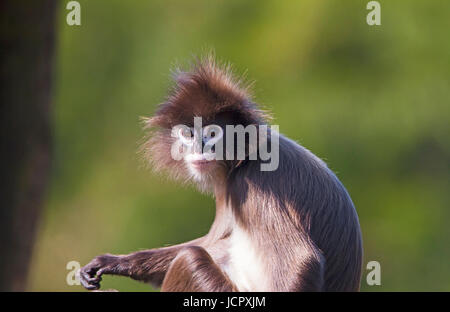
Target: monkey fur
<point>291,229</point>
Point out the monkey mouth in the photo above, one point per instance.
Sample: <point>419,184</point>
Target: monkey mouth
<point>201,164</point>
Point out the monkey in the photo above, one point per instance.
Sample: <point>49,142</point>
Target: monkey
<point>294,228</point>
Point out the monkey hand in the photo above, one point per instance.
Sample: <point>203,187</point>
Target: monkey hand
<point>91,274</point>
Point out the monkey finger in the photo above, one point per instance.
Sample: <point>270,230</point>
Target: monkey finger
<point>93,280</point>
<point>91,270</point>
<point>89,286</point>
<point>102,271</point>
<point>87,277</point>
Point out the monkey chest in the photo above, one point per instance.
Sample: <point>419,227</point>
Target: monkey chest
<point>246,265</point>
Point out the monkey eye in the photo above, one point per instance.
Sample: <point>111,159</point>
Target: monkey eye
<point>186,135</point>
<point>186,132</point>
<point>213,131</point>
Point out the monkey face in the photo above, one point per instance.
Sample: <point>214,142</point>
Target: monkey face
<point>210,91</point>
<point>202,152</point>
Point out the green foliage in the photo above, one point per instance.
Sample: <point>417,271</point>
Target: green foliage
<point>373,101</point>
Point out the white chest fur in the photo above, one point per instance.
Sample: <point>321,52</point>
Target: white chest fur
<point>246,267</point>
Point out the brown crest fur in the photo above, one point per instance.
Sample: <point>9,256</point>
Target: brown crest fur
<point>206,90</point>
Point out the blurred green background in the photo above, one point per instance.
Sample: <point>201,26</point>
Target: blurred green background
<point>372,101</point>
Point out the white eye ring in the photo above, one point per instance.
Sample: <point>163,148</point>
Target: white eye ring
<point>213,129</point>
<point>185,139</point>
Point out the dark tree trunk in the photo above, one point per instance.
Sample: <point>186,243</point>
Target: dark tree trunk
<point>26,54</point>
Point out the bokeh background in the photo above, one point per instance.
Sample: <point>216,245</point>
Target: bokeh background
<point>372,101</point>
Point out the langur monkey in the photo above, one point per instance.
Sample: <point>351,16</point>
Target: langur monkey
<point>294,228</point>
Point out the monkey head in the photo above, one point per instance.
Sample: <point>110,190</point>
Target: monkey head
<point>187,134</point>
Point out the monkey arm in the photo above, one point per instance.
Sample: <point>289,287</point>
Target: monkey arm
<point>147,265</point>
<point>193,269</point>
